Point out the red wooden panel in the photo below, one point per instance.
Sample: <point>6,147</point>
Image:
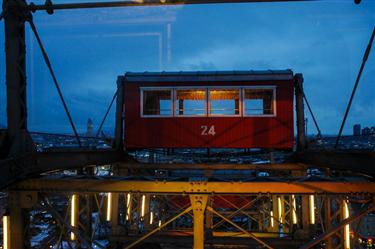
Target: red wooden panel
<point>231,132</point>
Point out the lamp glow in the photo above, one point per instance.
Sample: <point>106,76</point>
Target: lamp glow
<point>128,205</point>
<point>73,204</point>
<point>294,210</point>
<point>151,217</point>
<point>272,221</point>
<point>6,232</point>
<point>346,228</point>
<point>279,209</point>
<point>143,205</point>
<point>312,209</point>
<point>109,206</point>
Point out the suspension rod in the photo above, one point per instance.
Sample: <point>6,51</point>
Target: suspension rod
<point>364,60</point>
<point>112,4</point>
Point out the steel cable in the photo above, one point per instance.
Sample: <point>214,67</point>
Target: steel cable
<point>106,114</point>
<point>312,115</point>
<point>364,60</point>
<point>48,63</point>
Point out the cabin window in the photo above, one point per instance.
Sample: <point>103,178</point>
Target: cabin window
<point>224,101</point>
<point>157,102</point>
<point>259,102</point>
<point>191,102</point>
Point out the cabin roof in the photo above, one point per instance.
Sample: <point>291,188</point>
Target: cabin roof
<point>207,76</point>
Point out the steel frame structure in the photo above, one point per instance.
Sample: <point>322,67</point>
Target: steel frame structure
<point>271,215</point>
<point>209,215</point>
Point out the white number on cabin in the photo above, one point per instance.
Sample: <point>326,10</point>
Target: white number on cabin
<point>208,130</point>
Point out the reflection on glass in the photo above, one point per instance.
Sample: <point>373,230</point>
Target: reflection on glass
<point>157,102</point>
<point>190,102</point>
<point>258,102</point>
<point>224,101</point>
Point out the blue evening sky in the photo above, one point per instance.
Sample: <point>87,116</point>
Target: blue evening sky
<point>324,40</point>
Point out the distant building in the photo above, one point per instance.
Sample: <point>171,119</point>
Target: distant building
<point>366,131</point>
<point>90,128</point>
<point>372,130</point>
<point>357,130</point>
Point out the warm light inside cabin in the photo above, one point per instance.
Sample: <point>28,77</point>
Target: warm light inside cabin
<point>272,219</point>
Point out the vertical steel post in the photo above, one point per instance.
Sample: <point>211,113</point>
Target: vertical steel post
<point>119,126</point>
<point>15,52</point>
<point>300,112</point>
<point>328,221</point>
<point>199,204</point>
<point>16,221</point>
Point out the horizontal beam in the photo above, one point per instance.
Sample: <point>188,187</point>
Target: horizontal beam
<point>33,164</point>
<point>112,4</point>
<point>59,160</point>
<point>185,239</point>
<point>355,161</point>
<point>70,184</point>
<point>210,166</point>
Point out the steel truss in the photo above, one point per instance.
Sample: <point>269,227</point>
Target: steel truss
<point>136,213</point>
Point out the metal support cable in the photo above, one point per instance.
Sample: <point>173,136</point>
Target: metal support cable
<point>312,115</point>
<point>365,57</point>
<point>48,63</point>
<point>106,114</point>
<point>111,4</point>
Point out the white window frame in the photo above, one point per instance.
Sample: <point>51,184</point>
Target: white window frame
<point>142,89</point>
<point>224,88</point>
<point>274,101</point>
<point>175,89</point>
<point>242,107</point>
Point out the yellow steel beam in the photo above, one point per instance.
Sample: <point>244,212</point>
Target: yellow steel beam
<point>249,234</point>
<point>244,235</point>
<point>199,204</point>
<point>158,228</point>
<point>119,185</point>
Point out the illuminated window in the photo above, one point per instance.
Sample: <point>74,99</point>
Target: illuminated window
<point>259,102</point>
<point>157,102</point>
<point>191,102</point>
<point>224,101</point>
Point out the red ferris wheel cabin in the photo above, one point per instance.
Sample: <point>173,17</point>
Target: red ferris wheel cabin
<point>228,109</point>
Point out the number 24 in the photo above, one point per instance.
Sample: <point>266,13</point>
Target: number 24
<point>208,130</point>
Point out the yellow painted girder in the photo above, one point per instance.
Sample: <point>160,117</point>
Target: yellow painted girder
<point>120,185</point>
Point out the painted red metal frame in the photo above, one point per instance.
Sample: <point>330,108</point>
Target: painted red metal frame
<point>231,132</point>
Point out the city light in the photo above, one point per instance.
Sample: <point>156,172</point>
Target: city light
<point>6,232</point>
<point>73,207</point>
<point>312,209</point>
<point>109,206</point>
